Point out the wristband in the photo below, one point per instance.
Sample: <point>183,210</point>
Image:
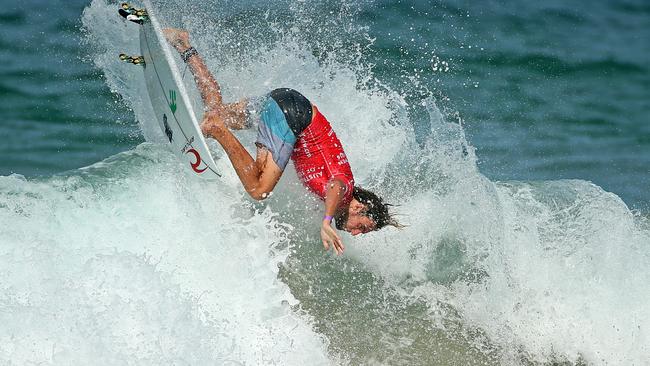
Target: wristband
<point>328,218</point>
<point>185,55</point>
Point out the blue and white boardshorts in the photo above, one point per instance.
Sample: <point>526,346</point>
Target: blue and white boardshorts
<point>283,115</point>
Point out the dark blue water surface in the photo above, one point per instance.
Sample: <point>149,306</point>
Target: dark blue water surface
<point>545,90</point>
<point>58,114</point>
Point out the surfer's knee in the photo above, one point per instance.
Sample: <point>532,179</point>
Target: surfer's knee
<point>264,185</point>
<point>259,195</point>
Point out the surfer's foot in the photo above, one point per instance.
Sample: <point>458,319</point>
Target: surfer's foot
<point>179,38</point>
<point>212,124</point>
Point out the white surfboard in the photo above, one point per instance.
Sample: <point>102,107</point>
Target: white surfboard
<point>170,99</point>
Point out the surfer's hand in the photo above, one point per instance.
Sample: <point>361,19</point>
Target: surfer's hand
<point>330,238</point>
<point>179,38</point>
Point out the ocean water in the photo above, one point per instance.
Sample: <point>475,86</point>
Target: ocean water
<point>514,137</point>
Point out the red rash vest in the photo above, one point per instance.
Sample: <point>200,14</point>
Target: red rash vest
<point>318,157</point>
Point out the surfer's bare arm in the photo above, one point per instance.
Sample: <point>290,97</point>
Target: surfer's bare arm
<point>333,198</point>
<point>258,176</point>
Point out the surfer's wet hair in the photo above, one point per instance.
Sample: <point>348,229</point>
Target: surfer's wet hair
<point>376,209</point>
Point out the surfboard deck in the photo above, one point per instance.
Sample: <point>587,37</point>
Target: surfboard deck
<point>170,99</point>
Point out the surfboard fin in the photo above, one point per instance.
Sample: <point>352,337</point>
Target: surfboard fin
<point>135,15</point>
<point>136,60</point>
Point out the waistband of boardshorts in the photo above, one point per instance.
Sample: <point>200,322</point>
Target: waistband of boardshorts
<point>296,108</point>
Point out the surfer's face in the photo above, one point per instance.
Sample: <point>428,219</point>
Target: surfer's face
<point>357,222</point>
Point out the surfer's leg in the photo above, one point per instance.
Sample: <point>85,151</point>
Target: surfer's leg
<point>234,114</point>
<point>258,176</point>
<point>205,81</point>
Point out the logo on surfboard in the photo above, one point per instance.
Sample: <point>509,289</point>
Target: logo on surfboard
<point>172,100</point>
<point>168,131</point>
<point>196,165</point>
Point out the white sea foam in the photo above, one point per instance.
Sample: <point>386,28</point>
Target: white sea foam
<point>548,270</point>
<point>128,263</point>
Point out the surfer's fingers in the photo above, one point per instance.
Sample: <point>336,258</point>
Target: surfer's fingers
<point>335,245</point>
<point>326,245</point>
<point>332,244</point>
<point>335,249</point>
<point>339,246</point>
<point>338,243</point>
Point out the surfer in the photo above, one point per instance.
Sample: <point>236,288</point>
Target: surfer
<point>289,127</point>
